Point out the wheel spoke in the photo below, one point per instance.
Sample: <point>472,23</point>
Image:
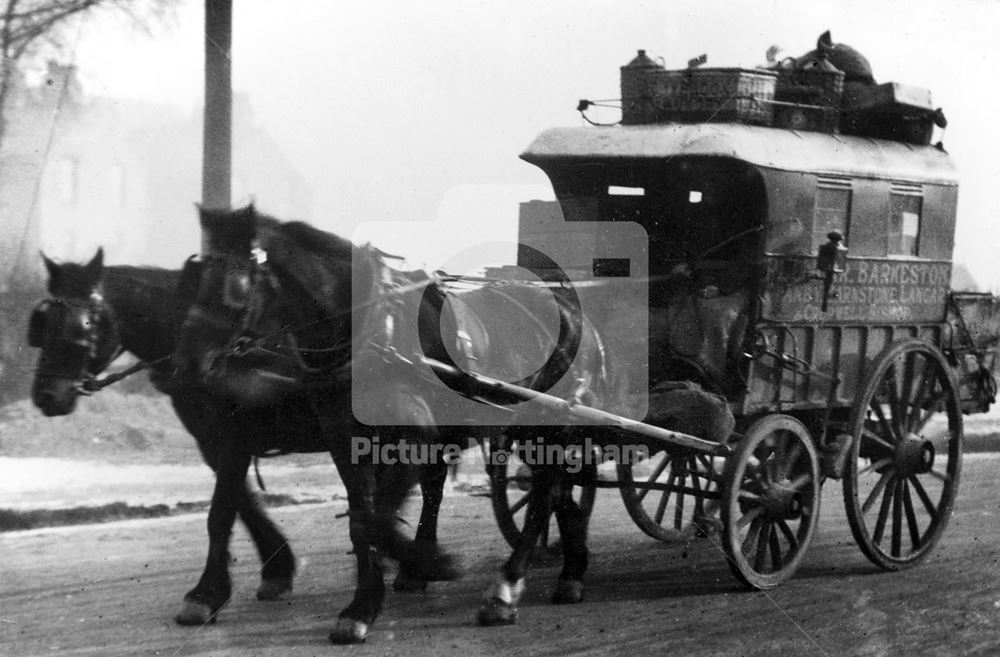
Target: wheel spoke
<point>801,480</point>
<point>749,517</point>
<point>518,505</point>
<point>939,475</point>
<point>679,508</point>
<point>794,453</point>
<point>652,479</point>
<point>932,409</point>
<point>876,491</point>
<point>776,560</point>
<point>875,465</point>
<point>753,536</point>
<point>922,494</point>
<point>871,435</point>
<point>760,555</point>
<point>665,498</point>
<point>913,418</point>
<point>911,517</point>
<point>891,381</point>
<point>793,542</point>
<point>883,422</point>
<point>883,515</point>
<point>747,496</point>
<point>699,500</point>
<point>897,518</point>
<point>762,543</point>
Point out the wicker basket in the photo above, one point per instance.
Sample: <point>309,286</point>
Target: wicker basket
<point>656,95</point>
<point>810,86</point>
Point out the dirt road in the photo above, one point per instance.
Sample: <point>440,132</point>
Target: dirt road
<point>112,590</point>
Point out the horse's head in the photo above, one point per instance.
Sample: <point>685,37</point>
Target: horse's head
<point>76,332</point>
<point>273,304</point>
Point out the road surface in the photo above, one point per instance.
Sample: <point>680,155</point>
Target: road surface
<point>112,590</point>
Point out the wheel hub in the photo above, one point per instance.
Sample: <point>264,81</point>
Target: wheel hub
<point>781,501</point>
<point>914,455</point>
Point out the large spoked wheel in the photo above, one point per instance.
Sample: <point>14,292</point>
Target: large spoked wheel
<point>671,495</point>
<point>903,468</point>
<point>510,485</point>
<point>770,501</point>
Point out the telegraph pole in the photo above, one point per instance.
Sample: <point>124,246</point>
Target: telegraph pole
<point>217,150</point>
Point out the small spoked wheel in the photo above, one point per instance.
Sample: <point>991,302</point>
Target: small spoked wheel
<point>902,472</point>
<point>770,501</point>
<point>510,487</point>
<point>671,495</point>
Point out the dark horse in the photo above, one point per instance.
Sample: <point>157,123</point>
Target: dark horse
<point>96,312</point>
<point>259,330</point>
<point>277,296</point>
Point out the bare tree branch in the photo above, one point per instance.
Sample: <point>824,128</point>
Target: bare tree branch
<point>24,24</point>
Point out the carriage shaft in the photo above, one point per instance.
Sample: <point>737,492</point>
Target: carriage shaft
<point>478,385</point>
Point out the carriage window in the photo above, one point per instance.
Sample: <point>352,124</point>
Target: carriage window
<point>904,223</point>
<point>833,206</point>
<point>694,196</point>
<point>615,190</point>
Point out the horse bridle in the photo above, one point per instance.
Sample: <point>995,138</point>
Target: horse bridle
<point>46,330</point>
<point>262,276</point>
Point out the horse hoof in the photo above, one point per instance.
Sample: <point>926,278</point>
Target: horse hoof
<point>567,592</point>
<point>408,584</point>
<point>349,630</point>
<point>195,613</point>
<point>273,589</point>
<point>496,612</point>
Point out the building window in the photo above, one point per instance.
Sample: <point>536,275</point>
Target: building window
<point>831,211</point>
<point>904,221</point>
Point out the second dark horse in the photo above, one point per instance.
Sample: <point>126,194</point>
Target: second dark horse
<point>229,344</point>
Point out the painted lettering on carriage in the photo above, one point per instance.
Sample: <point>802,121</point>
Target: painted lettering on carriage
<point>869,291</point>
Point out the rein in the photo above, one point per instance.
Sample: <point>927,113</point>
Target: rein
<point>241,345</point>
<point>92,384</point>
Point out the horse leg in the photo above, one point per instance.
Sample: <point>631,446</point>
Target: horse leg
<point>276,557</point>
<point>355,621</point>
<point>203,602</point>
<point>422,560</point>
<point>499,605</point>
<point>573,533</point>
<point>432,479</point>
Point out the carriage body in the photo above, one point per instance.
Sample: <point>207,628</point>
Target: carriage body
<point>805,276</point>
<point>736,216</point>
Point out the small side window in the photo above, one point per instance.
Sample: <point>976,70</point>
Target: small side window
<point>831,211</point>
<point>904,221</point>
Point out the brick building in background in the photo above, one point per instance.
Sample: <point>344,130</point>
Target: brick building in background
<point>78,172</point>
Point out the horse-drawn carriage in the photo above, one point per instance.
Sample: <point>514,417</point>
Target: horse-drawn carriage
<point>804,275</point>
<point>798,276</point>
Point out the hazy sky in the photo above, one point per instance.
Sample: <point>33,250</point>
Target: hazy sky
<point>393,110</point>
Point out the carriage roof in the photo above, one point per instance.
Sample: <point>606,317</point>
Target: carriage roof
<point>771,148</point>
